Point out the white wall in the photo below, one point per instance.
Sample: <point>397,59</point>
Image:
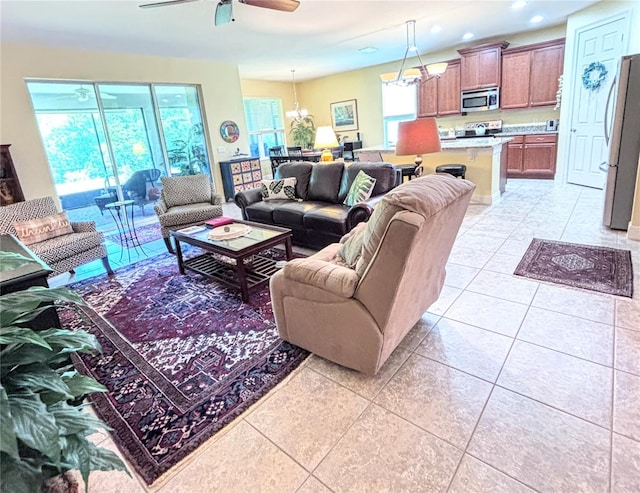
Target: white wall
<point>220,83</point>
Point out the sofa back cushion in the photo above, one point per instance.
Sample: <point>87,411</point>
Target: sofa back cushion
<point>384,174</point>
<point>301,171</point>
<point>184,190</point>
<point>324,183</point>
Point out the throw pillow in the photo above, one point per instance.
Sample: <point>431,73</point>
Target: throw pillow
<point>43,228</point>
<point>352,245</point>
<point>279,189</point>
<point>360,190</point>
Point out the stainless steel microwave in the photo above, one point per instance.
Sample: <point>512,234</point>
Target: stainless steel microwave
<point>481,100</point>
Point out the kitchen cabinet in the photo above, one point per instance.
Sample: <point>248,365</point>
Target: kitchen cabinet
<point>240,174</point>
<point>480,66</point>
<point>530,75</point>
<point>532,156</point>
<point>440,96</point>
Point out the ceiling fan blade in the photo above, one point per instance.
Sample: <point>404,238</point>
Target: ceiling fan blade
<point>284,5</point>
<point>164,4</point>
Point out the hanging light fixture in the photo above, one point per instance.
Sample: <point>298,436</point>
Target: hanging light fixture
<point>296,114</point>
<point>410,76</point>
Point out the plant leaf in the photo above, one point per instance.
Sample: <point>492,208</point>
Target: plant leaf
<point>34,425</point>
<point>37,377</point>
<point>16,335</point>
<point>18,476</point>
<point>69,341</point>
<point>8,440</point>
<point>12,260</point>
<point>19,303</point>
<point>81,384</point>
<point>71,420</point>
<point>24,355</point>
<point>86,457</point>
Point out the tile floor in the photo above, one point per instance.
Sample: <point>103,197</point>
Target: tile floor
<point>505,385</point>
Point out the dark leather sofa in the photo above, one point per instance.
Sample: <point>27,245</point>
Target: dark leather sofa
<point>320,218</point>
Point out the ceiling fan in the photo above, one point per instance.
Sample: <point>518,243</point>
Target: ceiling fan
<point>224,13</point>
<point>82,95</point>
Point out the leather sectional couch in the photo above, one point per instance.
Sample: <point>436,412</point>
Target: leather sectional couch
<point>320,217</point>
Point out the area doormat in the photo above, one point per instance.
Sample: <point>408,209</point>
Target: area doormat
<point>145,234</point>
<point>182,357</point>
<point>603,269</point>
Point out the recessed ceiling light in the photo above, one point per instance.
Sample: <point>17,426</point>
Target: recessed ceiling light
<point>368,49</point>
<point>519,4</point>
<point>436,29</point>
<point>165,100</point>
<point>467,36</point>
<point>536,18</point>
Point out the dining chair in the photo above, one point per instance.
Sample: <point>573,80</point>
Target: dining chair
<point>295,151</point>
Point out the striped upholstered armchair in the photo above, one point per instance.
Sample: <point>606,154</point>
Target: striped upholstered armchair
<point>186,201</point>
<point>62,252</point>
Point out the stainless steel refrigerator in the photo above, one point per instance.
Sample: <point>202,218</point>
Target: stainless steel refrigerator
<point>624,146</point>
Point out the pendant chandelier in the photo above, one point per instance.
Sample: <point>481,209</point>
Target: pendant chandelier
<point>410,76</point>
<point>296,114</point>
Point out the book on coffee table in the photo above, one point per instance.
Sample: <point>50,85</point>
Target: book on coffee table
<point>218,221</point>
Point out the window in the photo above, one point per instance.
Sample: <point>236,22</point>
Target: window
<point>398,105</point>
<point>265,125</point>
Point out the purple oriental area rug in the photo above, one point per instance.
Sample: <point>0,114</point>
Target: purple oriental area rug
<point>145,234</point>
<point>602,269</point>
<point>182,357</point>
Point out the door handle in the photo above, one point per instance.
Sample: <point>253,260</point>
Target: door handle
<point>606,112</point>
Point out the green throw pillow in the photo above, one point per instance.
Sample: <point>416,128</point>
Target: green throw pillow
<point>360,190</point>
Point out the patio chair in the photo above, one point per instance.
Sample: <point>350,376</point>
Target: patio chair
<point>139,184</point>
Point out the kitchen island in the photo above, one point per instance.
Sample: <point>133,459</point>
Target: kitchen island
<point>485,158</point>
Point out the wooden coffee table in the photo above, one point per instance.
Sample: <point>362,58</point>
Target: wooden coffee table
<point>243,268</point>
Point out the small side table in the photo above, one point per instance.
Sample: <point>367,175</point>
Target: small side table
<point>122,213</point>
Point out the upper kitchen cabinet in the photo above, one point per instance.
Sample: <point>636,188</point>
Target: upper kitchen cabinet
<point>440,96</point>
<point>480,66</point>
<point>530,75</point>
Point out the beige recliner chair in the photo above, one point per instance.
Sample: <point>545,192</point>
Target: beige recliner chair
<point>354,301</point>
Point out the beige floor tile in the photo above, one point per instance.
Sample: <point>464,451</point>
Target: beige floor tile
<point>505,264</point>
<point>628,312</point>
<point>419,331</point>
<point>306,417</point>
<point>625,474</point>
<point>628,350</point>
<point>312,485</point>
<point>382,452</point>
<point>476,239</point>
<point>439,399</point>
<point>467,348</point>
<point>504,286</point>
<point>570,384</point>
<point>474,476</point>
<point>571,335</point>
<point>243,460</point>
<point>469,257</point>
<point>542,447</point>
<point>626,405</point>
<point>487,312</point>
<point>459,276</point>
<point>365,385</point>
<point>579,303</point>
<point>515,245</point>
<point>447,297</point>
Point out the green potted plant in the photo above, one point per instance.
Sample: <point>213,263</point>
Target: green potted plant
<point>43,430</point>
<point>303,132</point>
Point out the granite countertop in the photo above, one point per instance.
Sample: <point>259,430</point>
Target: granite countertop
<point>512,129</point>
<point>479,142</point>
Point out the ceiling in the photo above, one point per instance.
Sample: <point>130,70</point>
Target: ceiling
<point>321,37</point>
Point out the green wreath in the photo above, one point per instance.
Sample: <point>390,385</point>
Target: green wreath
<point>594,75</point>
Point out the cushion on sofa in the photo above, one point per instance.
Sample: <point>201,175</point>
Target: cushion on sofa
<point>284,188</point>
<point>292,213</point>
<point>182,190</point>
<point>382,172</point>
<point>300,171</point>
<point>262,211</point>
<point>328,218</point>
<point>325,182</point>
<point>53,250</point>
<point>360,190</point>
<point>190,213</point>
<point>43,228</point>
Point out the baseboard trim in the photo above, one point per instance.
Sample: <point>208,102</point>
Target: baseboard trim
<point>486,199</point>
<point>633,232</point>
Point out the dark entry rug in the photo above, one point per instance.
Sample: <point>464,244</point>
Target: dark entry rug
<point>182,357</point>
<point>145,234</point>
<point>603,269</point>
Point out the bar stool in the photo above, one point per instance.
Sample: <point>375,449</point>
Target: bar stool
<point>457,170</point>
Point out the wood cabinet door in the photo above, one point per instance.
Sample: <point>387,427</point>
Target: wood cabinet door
<point>539,156</point>
<point>449,91</point>
<point>489,68</point>
<point>516,70</point>
<point>428,97</point>
<point>469,66</point>
<point>515,154</point>
<point>546,67</point>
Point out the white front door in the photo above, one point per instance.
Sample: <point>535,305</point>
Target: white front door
<point>588,150</point>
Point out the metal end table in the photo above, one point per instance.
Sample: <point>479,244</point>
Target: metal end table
<point>122,213</point>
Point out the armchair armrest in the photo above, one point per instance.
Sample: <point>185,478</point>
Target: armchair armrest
<point>216,199</point>
<point>248,197</point>
<point>361,212</point>
<point>160,207</point>
<point>84,227</point>
<point>336,279</point>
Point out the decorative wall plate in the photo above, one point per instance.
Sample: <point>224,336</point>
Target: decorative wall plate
<point>229,131</point>
<point>229,231</point>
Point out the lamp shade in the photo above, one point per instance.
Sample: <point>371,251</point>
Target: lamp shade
<point>436,69</point>
<point>418,137</point>
<point>325,137</point>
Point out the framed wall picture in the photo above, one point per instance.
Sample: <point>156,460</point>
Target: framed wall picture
<point>344,115</point>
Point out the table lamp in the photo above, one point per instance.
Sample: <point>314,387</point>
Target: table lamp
<point>418,137</point>
<point>325,138</point>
